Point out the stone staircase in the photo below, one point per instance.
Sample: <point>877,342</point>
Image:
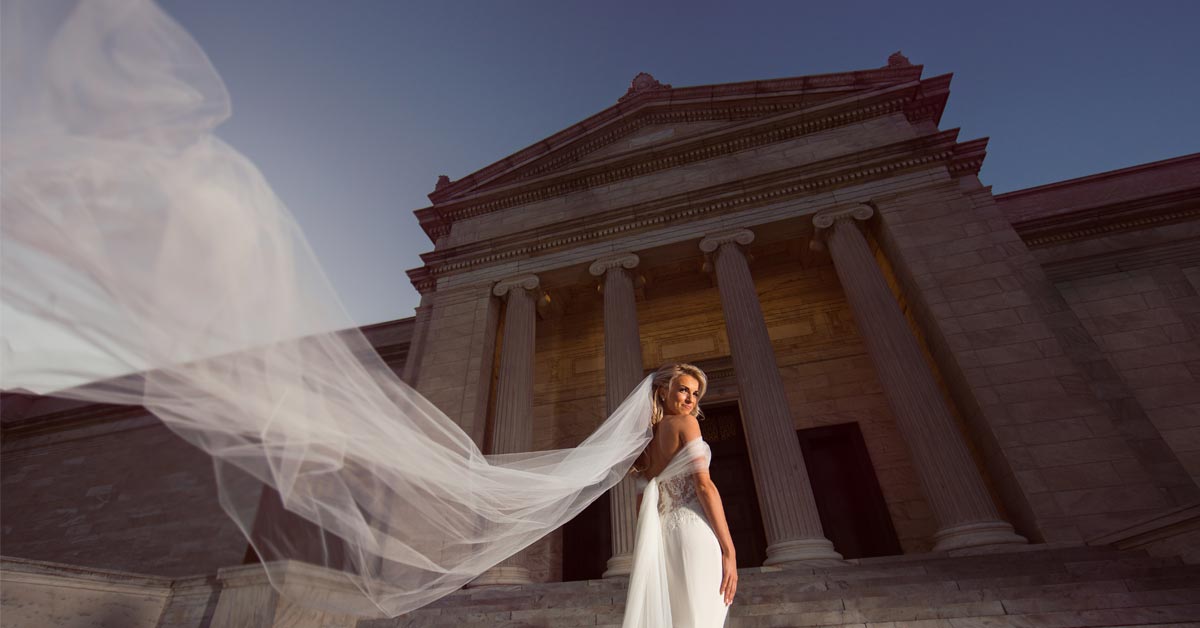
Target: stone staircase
<point>1035,586</point>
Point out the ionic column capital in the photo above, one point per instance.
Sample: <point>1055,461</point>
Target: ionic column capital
<point>712,242</point>
<point>522,282</point>
<point>824,220</point>
<point>628,261</point>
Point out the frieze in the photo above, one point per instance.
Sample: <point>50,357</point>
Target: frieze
<point>688,206</point>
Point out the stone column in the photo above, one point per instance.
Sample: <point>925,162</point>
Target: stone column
<point>622,372</point>
<point>790,516</point>
<point>965,514</point>
<point>512,430</point>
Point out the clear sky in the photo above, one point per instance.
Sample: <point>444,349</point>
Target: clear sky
<point>352,109</point>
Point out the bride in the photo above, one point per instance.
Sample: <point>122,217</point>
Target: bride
<point>683,552</point>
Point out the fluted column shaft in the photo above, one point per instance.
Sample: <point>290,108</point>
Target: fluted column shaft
<point>513,431</point>
<point>512,428</point>
<point>790,517</point>
<point>622,372</point>
<point>964,511</point>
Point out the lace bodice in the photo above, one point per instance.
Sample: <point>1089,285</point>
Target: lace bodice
<point>677,499</point>
<point>679,504</point>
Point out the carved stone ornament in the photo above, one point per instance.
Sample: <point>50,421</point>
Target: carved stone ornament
<point>523,282</point>
<point>628,261</point>
<point>643,82</point>
<point>898,60</point>
<point>713,242</point>
<point>442,181</point>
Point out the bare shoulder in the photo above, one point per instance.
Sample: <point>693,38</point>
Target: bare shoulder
<point>686,427</point>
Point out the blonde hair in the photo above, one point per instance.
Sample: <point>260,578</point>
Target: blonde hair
<point>664,377</point>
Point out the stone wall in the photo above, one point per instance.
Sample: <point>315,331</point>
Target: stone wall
<point>1044,406</point>
<point>124,494</point>
<point>1130,315</point>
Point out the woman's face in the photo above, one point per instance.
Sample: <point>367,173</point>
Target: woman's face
<point>681,396</point>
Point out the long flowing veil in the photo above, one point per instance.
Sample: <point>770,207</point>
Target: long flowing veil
<point>144,261</point>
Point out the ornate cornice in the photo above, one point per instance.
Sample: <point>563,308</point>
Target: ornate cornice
<point>422,279</point>
<point>64,424</point>
<point>710,243</point>
<point>504,287</point>
<point>1100,220</point>
<point>795,182</point>
<point>628,261</point>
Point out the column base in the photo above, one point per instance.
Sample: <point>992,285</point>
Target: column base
<point>806,551</point>
<point>619,566</point>
<point>502,575</point>
<point>976,534</point>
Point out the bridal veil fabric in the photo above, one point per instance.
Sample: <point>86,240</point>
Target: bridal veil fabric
<point>144,261</point>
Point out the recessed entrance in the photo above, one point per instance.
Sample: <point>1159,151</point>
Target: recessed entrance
<point>854,515</point>
<point>587,543</point>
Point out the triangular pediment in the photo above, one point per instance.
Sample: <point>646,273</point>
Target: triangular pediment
<point>654,118</point>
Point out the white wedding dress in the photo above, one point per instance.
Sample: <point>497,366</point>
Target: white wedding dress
<point>676,577</point>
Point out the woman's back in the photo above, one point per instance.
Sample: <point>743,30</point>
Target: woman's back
<point>668,440</point>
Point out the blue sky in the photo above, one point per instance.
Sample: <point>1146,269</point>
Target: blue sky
<point>352,109</point>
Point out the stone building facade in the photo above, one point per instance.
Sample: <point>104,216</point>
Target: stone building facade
<point>901,363</point>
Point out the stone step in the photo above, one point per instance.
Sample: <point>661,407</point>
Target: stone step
<point>1003,588</point>
<point>1057,587</point>
<point>965,568</point>
<point>907,609</point>
<point>1144,566</point>
<point>1174,614</point>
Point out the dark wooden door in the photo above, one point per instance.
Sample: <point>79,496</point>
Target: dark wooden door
<point>730,471</point>
<point>854,515</point>
<point>587,543</point>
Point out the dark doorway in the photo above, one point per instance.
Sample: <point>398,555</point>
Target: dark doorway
<point>854,515</point>
<point>730,471</point>
<point>587,544</point>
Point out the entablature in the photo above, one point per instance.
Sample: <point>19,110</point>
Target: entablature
<point>916,99</point>
<point>856,168</point>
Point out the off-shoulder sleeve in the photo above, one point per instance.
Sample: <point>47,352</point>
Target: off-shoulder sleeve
<point>697,454</point>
